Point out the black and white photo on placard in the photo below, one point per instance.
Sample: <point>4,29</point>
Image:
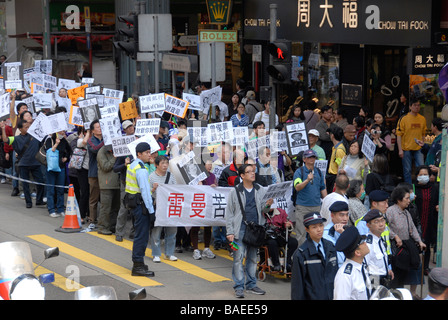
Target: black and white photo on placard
<point>296,137</point>
<point>43,101</point>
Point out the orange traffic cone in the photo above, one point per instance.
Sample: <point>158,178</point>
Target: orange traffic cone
<point>71,223</point>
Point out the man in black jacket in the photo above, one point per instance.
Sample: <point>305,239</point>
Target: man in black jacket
<point>314,264</point>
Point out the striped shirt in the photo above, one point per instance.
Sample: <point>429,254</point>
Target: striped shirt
<point>401,224</point>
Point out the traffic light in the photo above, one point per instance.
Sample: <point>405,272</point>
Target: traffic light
<point>130,45</point>
<point>280,69</point>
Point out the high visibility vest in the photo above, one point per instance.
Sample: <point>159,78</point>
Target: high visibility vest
<point>385,235</point>
<point>131,179</point>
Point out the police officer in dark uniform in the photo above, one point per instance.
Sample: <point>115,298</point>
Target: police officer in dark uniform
<point>314,263</point>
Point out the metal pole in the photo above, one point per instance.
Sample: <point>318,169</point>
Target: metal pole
<point>272,37</point>
<point>156,54</point>
<point>213,73</point>
<point>442,229</point>
<point>46,28</point>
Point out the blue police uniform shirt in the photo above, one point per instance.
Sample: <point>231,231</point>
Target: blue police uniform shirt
<point>333,236</point>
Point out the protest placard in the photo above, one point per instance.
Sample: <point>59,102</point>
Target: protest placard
<point>110,128</point>
<point>128,110</point>
<point>240,136</point>
<point>296,137</point>
<point>209,97</point>
<point>147,126</point>
<point>149,138</point>
<point>220,131</point>
<point>75,117</point>
<point>38,127</point>
<point>43,101</point>
<point>152,103</point>
<point>43,66</point>
<point>5,100</point>
<point>120,145</point>
<point>194,100</point>
<point>368,147</point>
<point>176,106</point>
<point>322,166</point>
<point>56,123</point>
<point>76,93</point>
<point>12,75</point>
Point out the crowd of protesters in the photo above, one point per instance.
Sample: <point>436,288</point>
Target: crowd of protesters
<point>99,180</point>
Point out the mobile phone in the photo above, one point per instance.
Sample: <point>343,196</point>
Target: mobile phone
<point>416,141</point>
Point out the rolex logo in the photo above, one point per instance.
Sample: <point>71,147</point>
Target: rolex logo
<point>219,10</point>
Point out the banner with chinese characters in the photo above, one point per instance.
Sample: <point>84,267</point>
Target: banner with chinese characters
<point>198,205</point>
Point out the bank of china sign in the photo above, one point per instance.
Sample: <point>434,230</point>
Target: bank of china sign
<point>383,22</point>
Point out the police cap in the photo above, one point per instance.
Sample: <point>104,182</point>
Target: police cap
<point>378,195</point>
<point>372,214</point>
<point>439,276</point>
<point>349,240</point>
<point>339,206</point>
<point>313,218</point>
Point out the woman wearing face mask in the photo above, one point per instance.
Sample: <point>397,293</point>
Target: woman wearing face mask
<point>427,202</point>
<point>356,196</point>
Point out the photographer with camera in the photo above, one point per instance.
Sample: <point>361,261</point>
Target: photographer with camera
<point>375,135</point>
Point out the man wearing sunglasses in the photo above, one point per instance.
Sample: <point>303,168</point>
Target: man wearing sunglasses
<point>352,279</point>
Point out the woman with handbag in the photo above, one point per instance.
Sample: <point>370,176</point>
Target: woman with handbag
<point>404,237</point>
<point>58,152</point>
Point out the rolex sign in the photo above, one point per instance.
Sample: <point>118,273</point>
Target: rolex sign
<point>219,11</point>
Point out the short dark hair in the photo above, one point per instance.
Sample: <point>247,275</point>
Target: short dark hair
<point>92,124</point>
<point>337,132</point>
<point>242,168</point>
<point>438,123</point>
<point>398,194</point>
<point>257,124</point>
<point>354,188</point>
<point>326,108</point>
<point>20,105</point>
<point>20,123</point>
<point>159,159</point>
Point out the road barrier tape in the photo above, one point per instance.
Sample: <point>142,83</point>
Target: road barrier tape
<point>32,182</point>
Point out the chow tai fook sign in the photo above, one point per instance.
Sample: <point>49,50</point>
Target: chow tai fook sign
<point>371,22</point>
<point>427,60</point>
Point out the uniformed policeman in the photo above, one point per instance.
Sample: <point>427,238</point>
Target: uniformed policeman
<point>314,264</point>
<point>138,199</point>
<point>438,284</point>
<point>377,260</point>
<point>379,199</point>
<point>352,279</point>
<point>334,228</point>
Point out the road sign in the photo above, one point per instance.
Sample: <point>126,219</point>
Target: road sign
<point>207,73</point>
<point>180,62</point>
<point>218,36</point>
<point>188,41</point>
<point>146,35</point>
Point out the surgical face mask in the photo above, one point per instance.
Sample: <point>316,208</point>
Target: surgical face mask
<point>412,196</point>
<point>363,195</point>
<point>423,179</point>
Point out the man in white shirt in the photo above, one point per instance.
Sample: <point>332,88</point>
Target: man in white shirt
<point>264,116</point>
<point>342,184</point>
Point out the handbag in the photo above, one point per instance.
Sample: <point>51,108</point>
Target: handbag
<point>407,256</point>
<point>53,160</point>
<point>255,234</point>
<point>41,155</point>
<point>77,158</point>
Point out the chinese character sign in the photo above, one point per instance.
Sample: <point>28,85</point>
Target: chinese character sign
<point>145,126</point>
<point>176,106</point>
<point>152,103</point>
<point>191,205</point>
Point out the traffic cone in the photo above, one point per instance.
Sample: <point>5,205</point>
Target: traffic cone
<point>71,223</point>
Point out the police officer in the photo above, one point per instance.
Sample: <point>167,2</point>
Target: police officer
<point>378,199</point>
<point>314,264</point>
<point>377,259</point>
<point>438,284</point>
<point>139,200</point>
<point>352,279</point>
<point>334,228</point>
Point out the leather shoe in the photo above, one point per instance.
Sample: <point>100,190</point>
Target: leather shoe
<point>140,271</point>
<point>29,205</point>
<point>119,238</point>
<point>105,232</point>
<point>43,203</point>
<point>15,192</point>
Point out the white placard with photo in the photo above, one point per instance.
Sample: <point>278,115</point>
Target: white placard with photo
<point>194,100</point>
<point>43,101</point>
<point>297,138</point>
<point>43,66</point>
<point>368,148</point>
<point>149,138</point>
<point>38,128</point>
<point>110,128</point>
<point>56,123</point>
<point>209,97</point>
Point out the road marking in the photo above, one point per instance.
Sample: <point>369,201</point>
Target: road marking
<point>179,264</point>
<point>98,262</point>
<point>59,280</point>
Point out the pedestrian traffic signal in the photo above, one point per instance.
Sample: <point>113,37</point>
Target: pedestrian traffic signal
<point>130,45</point>
<point>280,69</point>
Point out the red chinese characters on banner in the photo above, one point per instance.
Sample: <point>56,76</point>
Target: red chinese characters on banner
<point>198,205</point>
<point>176,201</point>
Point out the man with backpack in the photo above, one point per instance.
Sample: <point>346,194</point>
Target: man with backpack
<point>308,189</point>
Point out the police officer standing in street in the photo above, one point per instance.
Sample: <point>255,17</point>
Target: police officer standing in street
<point>314,264</point>
<point>352,279</point>
<point>138,199</point>
<point>377,259</point>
